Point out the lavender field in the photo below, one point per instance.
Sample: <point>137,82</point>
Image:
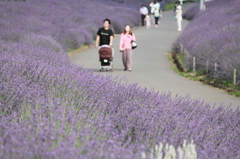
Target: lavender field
<point>213,36</point>
<point>70,23</point>
<point>51,108</point>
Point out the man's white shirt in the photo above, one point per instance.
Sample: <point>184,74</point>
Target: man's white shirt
<point>144,10</point>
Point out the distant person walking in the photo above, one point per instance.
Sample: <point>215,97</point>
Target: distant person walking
<point>154,5</point>
<point>143,11</point>
<point>148,21</point>
<point>161,6</point>
<point>105,34</point>
<point>126,48</point>
<point>156,17</point>
<point>178,16</point>
<point>155,9</point>
<point>151,11</point>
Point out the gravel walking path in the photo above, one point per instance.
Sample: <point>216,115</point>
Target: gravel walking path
<point>151,68</point>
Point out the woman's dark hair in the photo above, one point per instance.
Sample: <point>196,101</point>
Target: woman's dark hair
<point>108,20</point>
<point>130,32</point>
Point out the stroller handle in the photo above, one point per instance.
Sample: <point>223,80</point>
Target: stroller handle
<point>105,46</point>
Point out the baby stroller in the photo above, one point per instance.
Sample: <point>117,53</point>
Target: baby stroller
<point>106,58</point>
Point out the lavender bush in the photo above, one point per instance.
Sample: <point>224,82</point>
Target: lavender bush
<point>213,36</point>
<point>191,12</point>
<point>51,108</point>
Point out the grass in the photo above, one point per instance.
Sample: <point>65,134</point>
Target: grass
<point>76,50</point>
<point>169,7</point>
<point>227,86</point>
<point>73,52</point>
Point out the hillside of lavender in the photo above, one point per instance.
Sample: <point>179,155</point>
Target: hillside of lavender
<point>213,36</point>
<point>53,109</point>
<point>69,23</point>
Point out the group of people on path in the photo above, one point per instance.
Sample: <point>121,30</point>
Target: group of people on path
<point>156,13</point>
<point>105,37</point>
<point>105,34</point>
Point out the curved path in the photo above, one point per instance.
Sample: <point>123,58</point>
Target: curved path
<point>151,68</point>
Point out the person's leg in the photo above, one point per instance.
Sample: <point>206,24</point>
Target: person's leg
<point>156,21</point>
<point>129,59</point>
<point>177,24</point>
<point>179,21</point>
<point>153,19</point>
<point>148,24</point>
<point>180,24</point>
<point>112,52</point>
<point>143,19</point>
<point>157,18</point>
<point>124,59</point>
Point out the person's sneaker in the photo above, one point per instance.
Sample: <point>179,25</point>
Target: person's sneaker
<point>125,69</point>
<point>129,70</point>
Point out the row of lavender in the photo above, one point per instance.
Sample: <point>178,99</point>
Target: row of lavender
<point>213,36</point>
<point>50,108</point>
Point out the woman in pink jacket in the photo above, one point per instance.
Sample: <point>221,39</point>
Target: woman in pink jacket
<point>125,47</point>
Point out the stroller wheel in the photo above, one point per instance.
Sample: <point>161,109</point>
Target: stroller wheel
<point>100,70</point>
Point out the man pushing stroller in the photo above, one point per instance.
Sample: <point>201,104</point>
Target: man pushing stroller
<point>104,42</point>
<point>105,34</point>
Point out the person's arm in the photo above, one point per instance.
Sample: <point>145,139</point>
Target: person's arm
<point>98,38</point>
<point>132,37</point>
<point>121,43</point>
<point>111,38</point>
<point>151,4</point>
<point>175,8</point>
<point>177,11</point>
<point>97,41</point>
<point>111,41</point>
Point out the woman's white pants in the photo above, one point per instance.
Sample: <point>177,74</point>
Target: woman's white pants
<point>179,23</point>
